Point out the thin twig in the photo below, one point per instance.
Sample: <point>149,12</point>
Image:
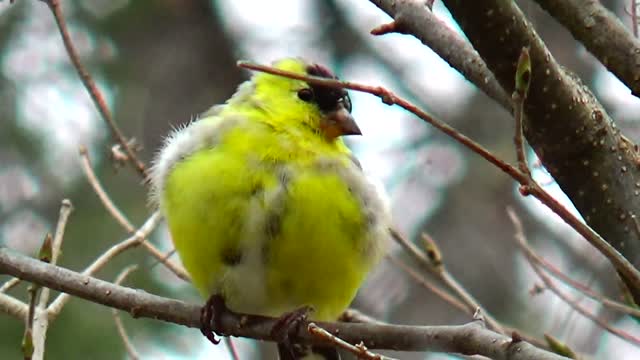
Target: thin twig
<point>471,305</point>
<point>102,194</point>
<point>176,269</point>
<point>360,351</point>
<point>50,253</point>
<point>434,259</point>
<point>115,212</point>
<point>619,262</point>
<point>444,295</point>
<point>557,273</point>
<point>355,316</point>
<point>65,211</point>
<point>634,18</point>
<point>233,352</point>
<point>479,316</point>
<point>576,306</point>
<point>13,307</point>
<point>27,338</point>
<point>432,250</point>
<point>10,284</point>
<point>468,299</point>
<point>131,350</point>
<point>66,208</point>
<point>415,18</point>
<point>136,239</point>
<point>549,284</point>
<point>390,98</point>
<point>90,85</point>
<point>523,79</point>
<point>163,258</point>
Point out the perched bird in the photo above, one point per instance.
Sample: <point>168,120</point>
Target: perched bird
<point>267,207</point>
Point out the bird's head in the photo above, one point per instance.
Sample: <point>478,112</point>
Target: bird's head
<point>293,103</point>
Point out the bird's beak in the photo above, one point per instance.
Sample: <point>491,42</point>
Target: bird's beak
<point>339,122</point>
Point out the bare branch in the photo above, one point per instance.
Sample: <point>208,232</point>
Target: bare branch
<point>355,316</point>
<point>37,321</point>
<point>522,81</point>
<point>28,342</point>
<point>443,294</point>
<point>520,237</point>
<point>12,306</point>
<point>90,85</point>
<point>585,152</point>
<point>416,18</point>
<point>634,18</point>
<point>469,339</point>
<point>233,352</point>
<point>136,239</point>
<point>440,271</point>
<point>9,285</point>
<point>102,194</point>
<point>360,351</point>
<point>66,208</point>
<point>65,211</point>
<point>557,273</point>
<point>131,350</point>
<point>122,219</point>
<point>603,34</point>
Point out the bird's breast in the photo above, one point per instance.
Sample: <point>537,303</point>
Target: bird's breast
<point>273,230</point>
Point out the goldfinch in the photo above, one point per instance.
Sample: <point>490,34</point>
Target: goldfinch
<point>267,207</point>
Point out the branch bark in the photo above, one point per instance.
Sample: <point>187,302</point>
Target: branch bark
<point>603,34</point>
<point>570,131</point>
<point>415,18</point>
<point>468,339</point>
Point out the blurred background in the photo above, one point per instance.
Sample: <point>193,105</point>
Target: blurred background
<point>161,62</point>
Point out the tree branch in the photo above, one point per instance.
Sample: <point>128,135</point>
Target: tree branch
<point>12,306</point>
<point>417,19</point>
<point>443,275</point>
<point>122,331</point>
<point>549,284</point>
<point>468,339</point>
<point>603,34</point>
<point>115,212</point>
<point>92,88</point>
<point>570,131</point>
<point>134,240</point>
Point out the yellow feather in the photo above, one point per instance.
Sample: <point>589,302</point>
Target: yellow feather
<point>265,210</point>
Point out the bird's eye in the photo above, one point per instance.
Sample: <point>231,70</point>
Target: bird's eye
<point>306,95</point>
<point>346,100</point>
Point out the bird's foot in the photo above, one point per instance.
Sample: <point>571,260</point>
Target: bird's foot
<point>286,325</point>
<point>210,314</point>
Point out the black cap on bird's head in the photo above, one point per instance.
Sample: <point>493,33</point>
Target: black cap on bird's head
<point>334,103</point>
<point>328,108</point>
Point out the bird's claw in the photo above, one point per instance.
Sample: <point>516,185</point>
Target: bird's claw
<point>288,324</point>
<point>210,314</point>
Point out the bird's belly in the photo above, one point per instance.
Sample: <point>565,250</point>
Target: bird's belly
<point>268,239</point>
<point>320,279</point>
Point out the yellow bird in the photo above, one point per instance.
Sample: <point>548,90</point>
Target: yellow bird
<point>267,207</point>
